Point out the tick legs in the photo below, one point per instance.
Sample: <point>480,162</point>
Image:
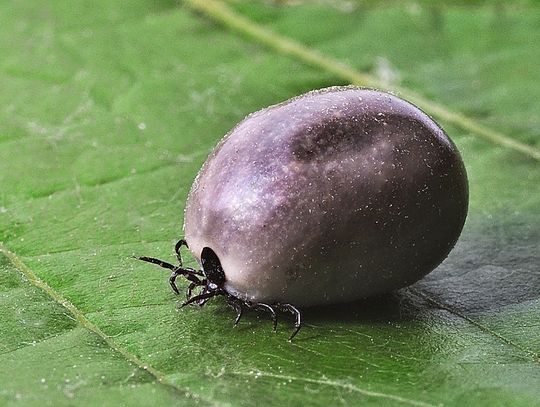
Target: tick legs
<point>175,270</point>
<point>190,289</point>
<point>189,273</point>
<point>239,306</point>
<point>172,281</point>
<point>177,248</point>
<point>159,262</point>
<point>266,307</point>
<point>296,313</point>
<point>201,297</point>
<point>210,291</point>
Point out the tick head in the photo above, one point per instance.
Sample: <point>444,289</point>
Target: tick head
<point>212,267</point>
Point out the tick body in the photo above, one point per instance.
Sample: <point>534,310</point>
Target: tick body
<point>333,196</point>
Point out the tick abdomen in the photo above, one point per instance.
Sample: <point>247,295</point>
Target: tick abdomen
<point>333,196</point>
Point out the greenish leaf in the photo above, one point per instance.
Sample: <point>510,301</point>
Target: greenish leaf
<point>107,111</point>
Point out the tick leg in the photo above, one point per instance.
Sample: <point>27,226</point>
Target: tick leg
<point>200,297</point>
<point>189,290</point>
<point>191,274</point>
<point>239,311</point>
<point>271,310</point>
<point>175,272</point>
<point>204,300</point>
<point>159,262</point>
<point>172,281</point>
<point>296,313</point>
<point>186,273</point>
<point>238,307</point>
<point>177,248</point>
<point>189,294</point>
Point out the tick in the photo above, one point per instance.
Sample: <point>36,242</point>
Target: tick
<point>336,195</point>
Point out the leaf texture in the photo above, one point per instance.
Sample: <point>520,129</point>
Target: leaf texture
<point>108,110</point>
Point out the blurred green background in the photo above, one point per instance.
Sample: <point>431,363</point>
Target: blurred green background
<point>107,111</point>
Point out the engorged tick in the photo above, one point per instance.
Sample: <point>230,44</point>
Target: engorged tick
<point>336,195</point>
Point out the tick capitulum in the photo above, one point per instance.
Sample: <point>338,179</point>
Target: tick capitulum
<point>212,280</point>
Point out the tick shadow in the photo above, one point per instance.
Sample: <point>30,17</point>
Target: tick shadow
<point>496,264</point>
<point>384,308</point>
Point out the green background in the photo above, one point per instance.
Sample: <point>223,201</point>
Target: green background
<point>107,111</point>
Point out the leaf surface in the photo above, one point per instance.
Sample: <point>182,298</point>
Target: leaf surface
<point>108,111</point>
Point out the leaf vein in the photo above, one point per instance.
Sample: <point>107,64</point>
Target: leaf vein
<point>31,345</point>
<point>337,384</point>
<point>220,12</point>
<point>535,356</point>
<point>86,323</point>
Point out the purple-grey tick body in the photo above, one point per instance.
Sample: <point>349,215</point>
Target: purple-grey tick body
<point>335,195</point>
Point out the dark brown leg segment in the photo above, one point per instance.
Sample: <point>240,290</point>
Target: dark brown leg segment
<point>296,313</point>
<point>200,297</point>
<point>159,262</point>
<point>177,248</point>
<point>266,307</point>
